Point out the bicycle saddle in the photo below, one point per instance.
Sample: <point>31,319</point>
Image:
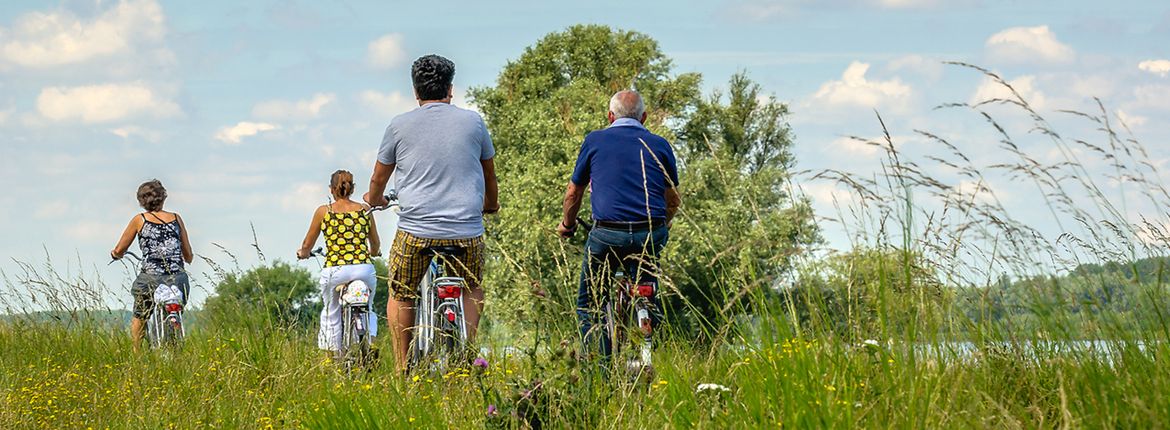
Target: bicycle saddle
<point>450,251</point>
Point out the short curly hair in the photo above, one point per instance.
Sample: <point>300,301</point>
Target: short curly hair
<point>152,195</point>
<point>432,76</point>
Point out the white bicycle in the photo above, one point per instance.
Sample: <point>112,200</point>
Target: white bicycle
<point>440,329</point>
<point>164,326</point>
<point>355,350</point>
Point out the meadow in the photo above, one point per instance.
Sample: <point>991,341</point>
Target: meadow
<point>949,312</point>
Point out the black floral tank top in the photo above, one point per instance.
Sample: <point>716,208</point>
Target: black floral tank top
<point>162,247</point>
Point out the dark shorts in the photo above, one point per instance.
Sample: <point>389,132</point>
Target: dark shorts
<point>143,290</point>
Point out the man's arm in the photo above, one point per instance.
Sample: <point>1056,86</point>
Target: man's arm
<point>572,204</point>
<point>673,201</point>
<point>491,190</point>
<point>376,196</point>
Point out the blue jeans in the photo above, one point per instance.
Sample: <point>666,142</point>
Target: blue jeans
<point>638,253</point>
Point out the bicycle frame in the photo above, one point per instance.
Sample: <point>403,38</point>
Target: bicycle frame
<point>620,297</point>
<point>440,327</point>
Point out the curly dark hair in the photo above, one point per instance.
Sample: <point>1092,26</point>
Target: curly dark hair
<point>152,195</point>
<point>432,76</point>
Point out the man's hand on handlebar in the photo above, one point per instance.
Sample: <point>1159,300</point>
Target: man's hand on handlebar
<point>566,231</point>
<point>375,201</point>
<point>302,254</point>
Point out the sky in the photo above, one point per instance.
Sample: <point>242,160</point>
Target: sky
<point>243,109</point>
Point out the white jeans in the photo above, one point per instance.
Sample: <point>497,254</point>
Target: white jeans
<point>329,337</point>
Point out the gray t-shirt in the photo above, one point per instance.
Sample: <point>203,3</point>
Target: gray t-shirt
<point>437,150</point>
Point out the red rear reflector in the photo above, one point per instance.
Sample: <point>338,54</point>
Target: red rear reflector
<point>173,307</point>
<point>450,315</point>
<point>645,290</point>
<point>449,291</point>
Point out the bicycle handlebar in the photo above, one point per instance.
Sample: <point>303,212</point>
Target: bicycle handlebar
<point>391,198</point>
<point>137,259</point>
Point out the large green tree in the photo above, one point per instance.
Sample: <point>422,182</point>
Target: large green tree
<point>280,294</point>
<point>737,226</point>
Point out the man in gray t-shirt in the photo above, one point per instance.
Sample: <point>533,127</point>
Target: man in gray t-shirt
<point>446,182</point>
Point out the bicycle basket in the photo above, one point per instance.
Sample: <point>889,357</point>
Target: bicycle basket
<point>356,293</point>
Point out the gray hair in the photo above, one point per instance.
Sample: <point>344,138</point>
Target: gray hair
<point>627,104</point>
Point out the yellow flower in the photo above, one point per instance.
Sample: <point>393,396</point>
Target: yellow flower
<point>411,419</point>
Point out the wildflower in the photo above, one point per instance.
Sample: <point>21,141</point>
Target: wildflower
<point>871,342</point>
<point>711,387</point>
<point>480,363</point>
<point>491,411</point>
<point>411,419</point>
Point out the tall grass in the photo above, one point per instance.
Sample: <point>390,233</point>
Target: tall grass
<point>909,329</point>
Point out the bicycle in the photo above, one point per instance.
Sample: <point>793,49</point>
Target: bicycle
<point>164,326</point>
<point>616,321</point>
<point>440,329</point>
<point>354,298</point>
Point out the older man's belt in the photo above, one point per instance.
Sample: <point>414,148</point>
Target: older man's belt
<point>631,226</point>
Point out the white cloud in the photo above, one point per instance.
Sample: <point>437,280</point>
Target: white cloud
<point>1131,120</point>
<point>387,104</point>
<point>51,209</point>
<point>1157,67</point>
<point>234,135</point>
<point>40,40</point>
<point>851,146</point>
<point>929,67</point>
<point>294,110</point>
<point>305,197</point>
<point>386,52</point>
<point>906,4</point>
<point>104,103</point>
<point>1024,85</point>
<point>1028,45</point>
<point>135,131</point>
<point>854,89</point>
<point>92,231</point>
<point>5,114</point>
<point>1151,97</point>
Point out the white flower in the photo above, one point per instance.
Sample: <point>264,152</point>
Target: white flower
<point>711,387</point>
<point>871,342</point>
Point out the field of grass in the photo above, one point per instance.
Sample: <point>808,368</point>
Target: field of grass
<point>51,377</point>
<point>948,313</point>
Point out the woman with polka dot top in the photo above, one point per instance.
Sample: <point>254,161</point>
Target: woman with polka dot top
<point>351,240</point>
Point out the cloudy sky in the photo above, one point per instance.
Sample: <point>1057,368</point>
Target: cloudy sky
<point>244,110</point>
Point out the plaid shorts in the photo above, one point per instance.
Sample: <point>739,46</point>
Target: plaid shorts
<point>408,265</point>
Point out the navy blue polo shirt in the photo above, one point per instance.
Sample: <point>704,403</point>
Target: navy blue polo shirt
<point>629,169</point>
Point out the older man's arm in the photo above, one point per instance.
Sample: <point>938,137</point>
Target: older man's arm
<point>572,204</point>
<point>673,201</point>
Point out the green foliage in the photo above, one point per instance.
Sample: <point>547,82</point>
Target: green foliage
<point>867,293</point>
<point>280,294</point>
<point>738,226</point>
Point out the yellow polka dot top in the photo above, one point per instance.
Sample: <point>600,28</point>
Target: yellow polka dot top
<point>345,238</point>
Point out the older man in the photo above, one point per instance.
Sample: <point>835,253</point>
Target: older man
<point>633,177</point>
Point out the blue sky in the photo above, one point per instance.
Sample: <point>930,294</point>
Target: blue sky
<point>243,109</point>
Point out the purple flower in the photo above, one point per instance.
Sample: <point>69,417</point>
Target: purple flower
<point>491,411</point>
<point>480,363</point>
